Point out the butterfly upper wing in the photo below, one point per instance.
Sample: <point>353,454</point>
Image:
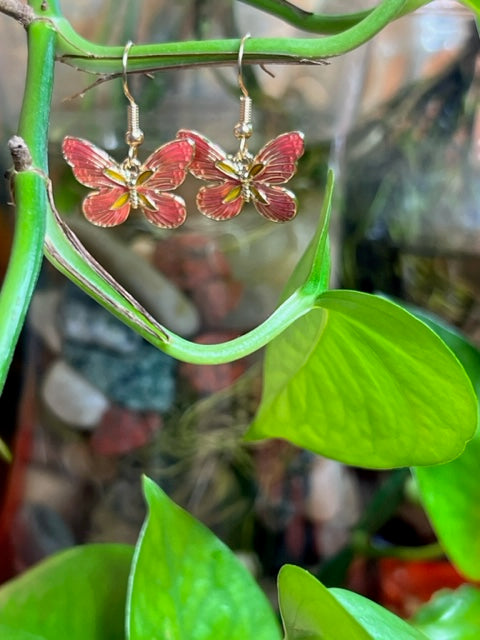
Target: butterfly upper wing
<point>88,163</point>
<point>107,207</point>
<point>169,164</point>
<point>276,203</point>
<point>205,158</point>
<point>279,158</point>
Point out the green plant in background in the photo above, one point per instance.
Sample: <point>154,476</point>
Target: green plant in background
<point>348,375</point>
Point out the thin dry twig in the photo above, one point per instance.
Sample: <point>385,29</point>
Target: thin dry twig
<point>20,11</point>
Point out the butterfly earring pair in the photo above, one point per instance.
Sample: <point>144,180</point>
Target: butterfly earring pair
<point>233,179</point>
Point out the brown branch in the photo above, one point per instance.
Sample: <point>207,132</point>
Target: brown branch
<point>20,11</point>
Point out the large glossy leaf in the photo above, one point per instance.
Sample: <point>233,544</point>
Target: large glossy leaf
<point>186,583</point>
<point>379,622</point>
<point>76,594</point>
<point>451,615</point>
<point>362,381</point>
<point>15,634</point>
<point>451,493</point>
<point>310,611</point>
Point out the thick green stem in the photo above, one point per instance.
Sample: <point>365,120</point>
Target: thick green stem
<point>31,201</point>
<point>88,56</point>
<point>297,305</point>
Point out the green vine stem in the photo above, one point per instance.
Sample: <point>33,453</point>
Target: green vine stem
<point>87,56</point>
<point>30,195</point>
<point>321,23</point>
<point>68,255</point>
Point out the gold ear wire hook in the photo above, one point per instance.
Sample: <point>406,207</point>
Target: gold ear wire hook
<point>241,49</point>
<point>243,129</point>
<point>126,90</point>
<point>134,135</point>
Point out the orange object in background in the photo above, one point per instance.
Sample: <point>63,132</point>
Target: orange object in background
<point>405,585</point>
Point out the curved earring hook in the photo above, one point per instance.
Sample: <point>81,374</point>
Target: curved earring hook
<point>241,49</point>
<point>134,135</point>
<point>126,90</point>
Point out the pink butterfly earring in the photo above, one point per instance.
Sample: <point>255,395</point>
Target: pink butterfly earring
<point>236,179</point>
<point>120,187</point>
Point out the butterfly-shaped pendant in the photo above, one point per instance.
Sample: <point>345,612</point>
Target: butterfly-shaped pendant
<point>241,178</point>
<point>120,187</point>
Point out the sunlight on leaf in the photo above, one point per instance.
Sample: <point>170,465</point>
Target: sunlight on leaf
<point>362,381</point>
<point>186,583</point>
<point>450,493</point>
<point>75,594</point>
<point>451,615</point>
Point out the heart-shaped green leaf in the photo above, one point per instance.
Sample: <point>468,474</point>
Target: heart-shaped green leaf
<point>451,615</point>
<point>310,611</point>
<point>186,583</point>
<point>76,594</point>
<point>362,381</point>
<point>450,493</point>
<point>379,622</point>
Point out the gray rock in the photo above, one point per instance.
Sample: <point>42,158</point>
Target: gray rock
<point>84,321</point>
<point>142,381</point>
<point>71,397</point>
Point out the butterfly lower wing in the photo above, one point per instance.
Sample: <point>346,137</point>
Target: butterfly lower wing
<point>164,210</point>
<point>205,158</point>
<point>277,204</point>
<point>220,201</point>
<point>89,163</point>
<point>108,207</point>
<point>169,164</point>
<point>279,158</point>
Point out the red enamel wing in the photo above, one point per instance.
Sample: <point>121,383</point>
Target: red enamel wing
<point>243,177</point>
<point>131,185</point>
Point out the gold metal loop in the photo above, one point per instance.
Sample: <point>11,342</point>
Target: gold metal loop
<point>241,49</point>
<point>126,90</point>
